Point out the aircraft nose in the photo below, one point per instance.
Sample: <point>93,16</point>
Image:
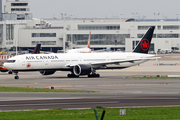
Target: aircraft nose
<point>5,65</point>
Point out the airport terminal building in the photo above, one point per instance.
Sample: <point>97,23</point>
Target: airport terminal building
<point>22,30</point>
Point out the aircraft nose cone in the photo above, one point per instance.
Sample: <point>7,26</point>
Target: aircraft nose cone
<point>5,65</point>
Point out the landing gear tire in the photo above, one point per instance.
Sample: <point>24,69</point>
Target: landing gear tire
<point>72,76</point>
<point>10,72</point>
<point>94,75</point>
<point>98,75</point>
<point>16,77</point>
<point>16,73</point>
<point>69,75</point>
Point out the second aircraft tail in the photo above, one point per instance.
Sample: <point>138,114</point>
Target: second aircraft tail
<point>89,39</point>
<point>37,49</point>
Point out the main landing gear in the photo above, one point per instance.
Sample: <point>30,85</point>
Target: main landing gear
<point>94,74</point>
<point>16,73</point>
<point>89,76</point>
<point>72,76</point>
<point>10,72</point>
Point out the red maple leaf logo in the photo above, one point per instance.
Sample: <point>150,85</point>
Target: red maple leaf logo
<point>145,44</point>
<point>28,65</point>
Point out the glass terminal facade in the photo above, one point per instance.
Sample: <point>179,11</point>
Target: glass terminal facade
<point>43,42</point>
<point>9,31</point>
<point>99,27</point>
<point>99,39</point>
<point>43,34</point>
<point>1,34</point>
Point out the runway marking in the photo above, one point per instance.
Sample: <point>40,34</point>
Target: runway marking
<point>45,104</point>
<point>109,85</point>
<point>117,70</point>
<point>131,70</point>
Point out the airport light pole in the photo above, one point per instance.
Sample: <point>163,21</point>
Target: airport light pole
<point>156,14</point>
<point>144,17</point>
<point>178,14</point>
<point>17,42</point>
<point>120,16</point>
<point>134,14</point>
<point>165,18</point>
<point>18,23</point>
<point>63,17</point>
<point>71,33</point>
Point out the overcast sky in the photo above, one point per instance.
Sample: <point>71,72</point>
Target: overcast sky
<point>104,8</point>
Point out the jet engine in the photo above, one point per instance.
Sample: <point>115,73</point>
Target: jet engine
<point>47,72</point>
<point>82,69</point>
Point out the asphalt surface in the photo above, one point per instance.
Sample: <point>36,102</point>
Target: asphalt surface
<point>90,102</point>
<point>115,88</point>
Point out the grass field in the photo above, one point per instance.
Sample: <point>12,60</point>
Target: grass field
<point>19,89</point>
<point>145,113</point>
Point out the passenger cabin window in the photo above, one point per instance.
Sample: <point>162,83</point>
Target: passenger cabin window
<point>10,61</point>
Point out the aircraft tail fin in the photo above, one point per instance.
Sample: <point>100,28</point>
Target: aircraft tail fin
<point>89,39</point>
<point>37,49</point>
<point>144,44</point>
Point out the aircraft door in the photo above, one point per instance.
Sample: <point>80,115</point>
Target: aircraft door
<point>46,62</point>
<point>23,63</point>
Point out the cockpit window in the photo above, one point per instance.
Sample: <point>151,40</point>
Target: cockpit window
<point>10,61</point>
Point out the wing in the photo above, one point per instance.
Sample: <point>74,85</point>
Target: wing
<point>116,61</point>
<point>122,61</point>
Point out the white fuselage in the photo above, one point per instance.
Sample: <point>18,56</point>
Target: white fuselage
<point>37,62</point>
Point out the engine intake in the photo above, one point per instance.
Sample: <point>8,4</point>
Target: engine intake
<point>82,69</point>
<point>47,72</point>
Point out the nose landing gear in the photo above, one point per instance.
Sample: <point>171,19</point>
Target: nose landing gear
<point>16,73</point>
<point>10,72</point>
<point>16,77</point>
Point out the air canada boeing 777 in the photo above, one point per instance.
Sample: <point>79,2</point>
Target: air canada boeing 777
<point>82,63</point>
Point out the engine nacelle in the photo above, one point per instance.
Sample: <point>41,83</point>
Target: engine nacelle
<point>47,72</point>
<point>82,69</point>
<point>4,71</point>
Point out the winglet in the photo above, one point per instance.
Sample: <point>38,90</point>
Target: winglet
<point>37,49</point>
<point>89,39</point>
<point>144,44</point>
